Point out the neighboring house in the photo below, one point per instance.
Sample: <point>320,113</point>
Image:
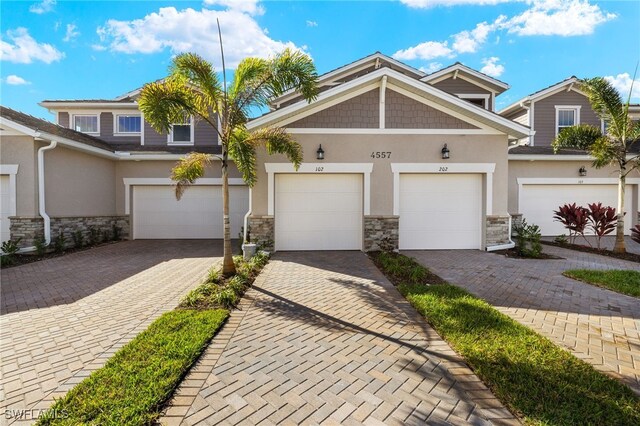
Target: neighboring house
<point>540,181</point>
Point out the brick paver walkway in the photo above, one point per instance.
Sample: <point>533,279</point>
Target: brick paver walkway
<point>63,317</point>
<point>597,325</point>
<point>325,338</point>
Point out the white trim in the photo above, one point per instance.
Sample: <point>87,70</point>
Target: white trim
<point>12,171</point>
<point>459,67</point>
<point>115,124</point>
<point>383,93</point>
<point>142,128</point>
<point>376,131</point>
<point>486,97</point>
<point>72,122</point>
<point>532,122</point>
<point>364,168</point>
<point>575,108</point>
<point>77,105</point>
<point>444,168</point>
<point>556,88</point>
<point>493,101</point>
<point>5,122</point>
<point>129,182</point>
<point>192,130</point>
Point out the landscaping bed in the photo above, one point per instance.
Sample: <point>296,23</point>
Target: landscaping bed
<point>621,281</point>
<point>604,252</point>
<point>516,254</point>
<point>535,379</point>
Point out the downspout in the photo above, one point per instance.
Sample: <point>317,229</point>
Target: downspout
<point>41,198</point>
<point>383,91</point>
<point>246,217</point>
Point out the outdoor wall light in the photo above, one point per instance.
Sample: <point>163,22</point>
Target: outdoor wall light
<point>582,171</point>
<point>445,152</point>
<point>320,153</point>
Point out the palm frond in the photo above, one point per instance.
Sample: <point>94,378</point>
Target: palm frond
<point>165,103</point>
<point>579,137</point>
<point>199,74</point>
<point>604,152</point>
<point>243,154</point>
<point>277,141</point>
<point>607,103</point>
<point>188,170</point>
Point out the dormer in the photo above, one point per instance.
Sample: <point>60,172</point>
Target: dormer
<point>468,84</point>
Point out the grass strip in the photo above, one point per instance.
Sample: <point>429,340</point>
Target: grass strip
<point>132,386</point>
<point>621,281</point>
<point>537,380</point>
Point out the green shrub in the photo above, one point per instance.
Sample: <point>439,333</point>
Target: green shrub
<point>226,298</point>
<point>106,236</point>
<point>528,240</point>
<point>59,242</point>
<point>213,276</point>
<point>40,244</point>
<point>78,239</point>
<point>10,247</point>
<point>116,232</point>
<point>94,236</point>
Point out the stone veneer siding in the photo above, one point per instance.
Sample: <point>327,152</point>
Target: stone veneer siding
<point>381,233</point>
<point>29,228</point>
<point>497,230</point>
<point>262,231</point>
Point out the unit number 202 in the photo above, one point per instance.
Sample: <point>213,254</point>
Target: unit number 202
<point>381,154</point>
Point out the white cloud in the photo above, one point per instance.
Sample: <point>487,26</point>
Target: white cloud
<point>558,17</point>
<point>43,7</point>
<point>431,68</point>
<point>71,32</point>
<point>25,49</point>
<point>189,30</point>
<point>424,4</point>
<point>470,41</point>
<point>312,24</point>
<point>14,80</point>
<point>246,6</point>
<point>492,67</point>
<point>622,82</point>
<point>98,47</point>
<point>427,51</point>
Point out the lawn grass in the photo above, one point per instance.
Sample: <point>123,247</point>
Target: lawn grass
<point>132,386</point>
<point>538,381</point>
<point>622,281</point>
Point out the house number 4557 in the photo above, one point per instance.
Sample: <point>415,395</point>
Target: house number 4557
<point>381,154</point>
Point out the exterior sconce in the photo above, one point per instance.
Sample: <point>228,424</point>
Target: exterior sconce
<point>582,171</point>
<point>445,152</point>
<point>320,153</point>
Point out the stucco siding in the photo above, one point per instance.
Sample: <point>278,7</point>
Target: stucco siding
<point>21,150</point>
<point>362,111</point>
<point>545,114</point>
<point>355,148</point>
<point>402,112</point>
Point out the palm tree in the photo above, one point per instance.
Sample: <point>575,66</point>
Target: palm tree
<point>193,89</point>
<point>611,147</point>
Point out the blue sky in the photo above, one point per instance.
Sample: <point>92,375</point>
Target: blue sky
<point>92,49</point>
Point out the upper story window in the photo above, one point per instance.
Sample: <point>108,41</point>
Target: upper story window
<point>480,100</point>
<point>127,124</point>
<point>86,123</point>
<point>566,116</point>
<point>182,133</point>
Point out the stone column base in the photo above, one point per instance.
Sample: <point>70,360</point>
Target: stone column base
<point>497,232</point>
<point>381,233</point>
<point>262,232</point>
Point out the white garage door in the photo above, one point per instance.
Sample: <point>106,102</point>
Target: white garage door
<point>5,207</point>
<point>318,212</point>
<point>537,203</point>
<point>440,211</point>
<point>157,213</point>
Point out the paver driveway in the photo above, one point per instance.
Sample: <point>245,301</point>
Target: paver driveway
<point>597,325</point>
<point>63,317</point>
<point>325,338</point>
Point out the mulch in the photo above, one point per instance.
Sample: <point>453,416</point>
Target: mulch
<point>633,257</point>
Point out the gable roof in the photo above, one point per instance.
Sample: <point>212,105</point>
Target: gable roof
<point>458,67</point>
<point>540,94</point>
<point>426,91</point>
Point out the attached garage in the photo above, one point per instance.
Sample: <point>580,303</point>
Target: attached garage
<point>318,211</point>
<point>537,202</point>
<point>440,211</point>
<point>5,207</point>
<point>198,215</point>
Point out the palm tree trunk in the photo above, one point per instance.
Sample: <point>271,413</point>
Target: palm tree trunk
<point>619,246</point>
<point>228,267</point>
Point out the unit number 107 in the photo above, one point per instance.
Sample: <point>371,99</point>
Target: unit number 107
<point>381,154</point>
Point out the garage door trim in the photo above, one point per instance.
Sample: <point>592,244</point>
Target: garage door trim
<point>320,168</point>
<point>129,182</point>
<point>12,171</point>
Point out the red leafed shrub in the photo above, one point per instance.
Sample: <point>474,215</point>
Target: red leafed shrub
<point>635,233</point>
<point>602,220</point>
<point>574,218</point>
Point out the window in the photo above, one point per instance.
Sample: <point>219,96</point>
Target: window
<point>86,123</point>
<point>566,116</point>
<point>481,100</point>
<point>128,124</point>
<point>182,133</point>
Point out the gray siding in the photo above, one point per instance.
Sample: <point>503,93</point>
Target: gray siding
<point>63,119</point>
<point>405,113</point>
<point>106,131</point>
<point>205,134</point>
<point>360,112</point>
<point>151,137</point>
<point>458,85</point>
<point>544,115</point>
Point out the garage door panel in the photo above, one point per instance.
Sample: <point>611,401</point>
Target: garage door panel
<point>197,215</point>
<point>537,203</point>
<point>318,212</point>
<point>440,211</point>
<point>5,208</point>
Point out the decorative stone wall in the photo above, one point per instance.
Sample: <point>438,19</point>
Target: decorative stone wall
<point>381,233</point>
<point>262,231</point>
<point>516,220</point>
<point>30,228</point>
<point>497,230</point>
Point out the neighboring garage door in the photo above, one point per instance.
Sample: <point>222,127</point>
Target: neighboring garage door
<point>537,203</point>
<point>318,211</point>
<point>158,215</point>
<point>440,211</point>
<point>5,207</point>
